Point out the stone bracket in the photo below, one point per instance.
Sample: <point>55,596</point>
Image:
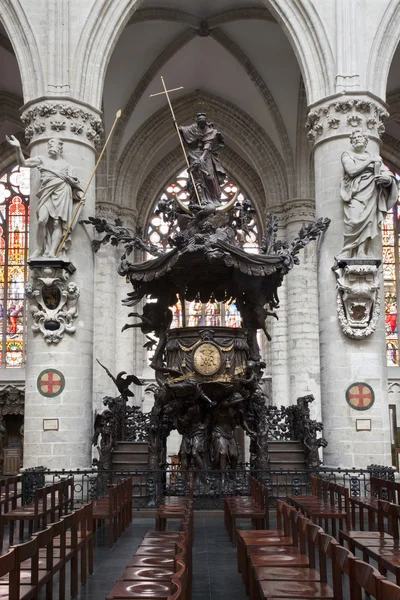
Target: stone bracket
<point>52,298</point>
<point>357,301</point>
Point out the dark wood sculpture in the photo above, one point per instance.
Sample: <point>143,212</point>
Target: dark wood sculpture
<point>208,378</point>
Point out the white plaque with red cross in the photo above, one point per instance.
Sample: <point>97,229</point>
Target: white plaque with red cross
<point>50,383</point>
<point>360,396</point>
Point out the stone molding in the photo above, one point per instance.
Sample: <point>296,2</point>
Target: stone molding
<point>111,212</point>
<point>338,116</point>
<point>299,210</point>
<point>67,119</point>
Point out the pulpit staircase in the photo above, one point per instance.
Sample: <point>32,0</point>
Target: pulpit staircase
<point>290,457</point>
<point>132,456</point>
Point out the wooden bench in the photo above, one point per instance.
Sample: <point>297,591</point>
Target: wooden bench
<point>10,493</point>
<point>328,501</point>
<point>290,571</point>
<point>161,567</point>
<point>50,503</point>
<point>116,508</point>
<point>254,507</point>
<point>30,567</point>
<point>380,489</point>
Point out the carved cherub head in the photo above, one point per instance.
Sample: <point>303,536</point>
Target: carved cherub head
<point>359,139</point>
<point>54,147</point>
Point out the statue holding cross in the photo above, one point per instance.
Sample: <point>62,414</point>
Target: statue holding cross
<point>203,142</point>
<point>200,143</point>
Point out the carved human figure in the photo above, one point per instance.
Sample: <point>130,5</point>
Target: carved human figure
<point>369,190</point>
<point>56,194</point>
<point>228,414</point>
<point>191,422</point>
<point>203,142</point>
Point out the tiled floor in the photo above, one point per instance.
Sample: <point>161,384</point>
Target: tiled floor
<point>215,575</point>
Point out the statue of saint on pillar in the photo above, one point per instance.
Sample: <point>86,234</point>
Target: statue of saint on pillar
<point>369,190</point>
<point>57,192</point>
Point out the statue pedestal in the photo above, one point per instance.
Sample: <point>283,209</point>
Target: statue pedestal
<point>358,302</point>
<point>52,298</point>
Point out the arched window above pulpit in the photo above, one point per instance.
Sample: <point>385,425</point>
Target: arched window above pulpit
<point>163,221</point>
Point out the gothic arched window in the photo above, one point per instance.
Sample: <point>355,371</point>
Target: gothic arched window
<point>162,224</point>
<point>391,266</point>
<point>14,229</point>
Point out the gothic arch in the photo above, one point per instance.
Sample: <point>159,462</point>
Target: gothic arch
<point>163,58</point>
<point>156,181</point>
<point>386,40</point>
<point>19,31</point>
<point>235,123</point>
<point>298,18</point>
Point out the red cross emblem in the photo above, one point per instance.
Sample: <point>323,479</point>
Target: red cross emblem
<point>51,382</point>
<point>360,396</point>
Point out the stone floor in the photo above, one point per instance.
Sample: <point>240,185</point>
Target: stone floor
<point>215,575</point>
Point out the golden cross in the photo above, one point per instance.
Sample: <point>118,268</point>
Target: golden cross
<point>166,92</point>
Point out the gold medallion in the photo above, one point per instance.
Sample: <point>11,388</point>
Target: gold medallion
<point>207,359</point>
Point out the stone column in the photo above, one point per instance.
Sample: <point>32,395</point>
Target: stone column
<point>302,310</point>
<point>344,360</point>
<point>68,445</point>
<point>278,354</point>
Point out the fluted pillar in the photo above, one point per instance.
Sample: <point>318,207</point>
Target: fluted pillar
<point>345,361</point>
<point>302,310</point>
<point>58,427</point>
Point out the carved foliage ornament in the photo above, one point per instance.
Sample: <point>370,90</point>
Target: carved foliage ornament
<point>357,301</point>
<point>350,112</point>
<point>62,117</point>
<point>53,302</point>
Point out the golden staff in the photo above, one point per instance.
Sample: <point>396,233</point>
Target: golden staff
<point>179,134</point>
<point>82,200</point>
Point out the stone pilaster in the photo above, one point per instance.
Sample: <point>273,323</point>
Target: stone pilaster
<point>343,360</point>
<point>302,310</point>
<point>69,446</point>
<point>278,348</point>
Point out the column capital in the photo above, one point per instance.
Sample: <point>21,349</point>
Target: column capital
<point>64,118</point>
<point>338,115</point>
<point>299,210</point>
<point>112,211</point>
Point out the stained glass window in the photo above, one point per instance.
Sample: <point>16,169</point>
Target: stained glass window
<point>163,223</point>
<point>14,230</point>
<point>390,252</point>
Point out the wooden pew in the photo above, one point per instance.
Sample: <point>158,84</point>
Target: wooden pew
<point>50,502</point>
<point>329,501</point>
<point>37,562</point>
<point>380,489</point>
<point>276,575</point>
<point>116,508</point>
<point>254,507</point>
<point>164,558</point>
